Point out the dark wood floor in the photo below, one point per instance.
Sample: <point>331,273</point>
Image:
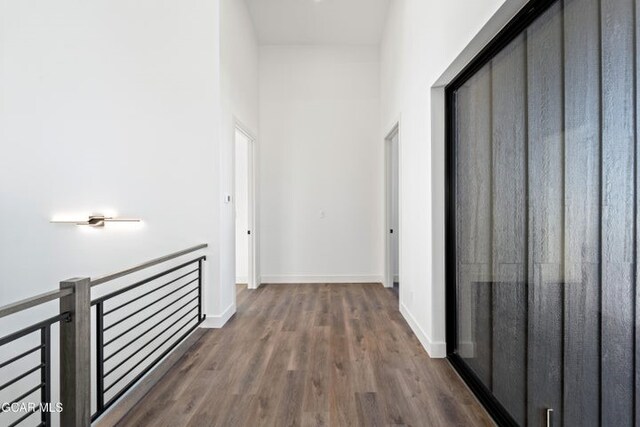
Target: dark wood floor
<point>310,355</point>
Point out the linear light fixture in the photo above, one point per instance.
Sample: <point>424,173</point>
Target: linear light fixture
<point>95,220</point>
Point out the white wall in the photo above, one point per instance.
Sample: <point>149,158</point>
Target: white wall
<point>239,65</point>
<point>107,106</point>
<point>103,109</point>
<point>242,206</point>
<point>421,38</point>
<point>322,164</point>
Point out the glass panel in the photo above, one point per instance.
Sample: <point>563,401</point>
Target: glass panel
<point>510,227</point>
<point>473,222</point>
<point>491,225</point>
<point>545,211</point>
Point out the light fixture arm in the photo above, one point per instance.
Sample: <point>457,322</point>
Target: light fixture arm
<point>96,221</point>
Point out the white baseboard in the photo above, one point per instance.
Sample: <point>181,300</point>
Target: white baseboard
<point>437,349</point>
<point>242,279</point>
<point>320,279</point>
<point>218,321</point>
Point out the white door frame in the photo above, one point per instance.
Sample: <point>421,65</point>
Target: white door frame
<point>388,266</point>
<point>253,261</point>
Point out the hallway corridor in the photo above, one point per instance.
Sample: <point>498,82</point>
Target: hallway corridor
<point>310,355</point>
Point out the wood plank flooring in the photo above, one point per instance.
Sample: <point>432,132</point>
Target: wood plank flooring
<point>310,355</point>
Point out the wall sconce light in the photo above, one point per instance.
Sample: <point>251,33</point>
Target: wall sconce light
<point>95,220</point>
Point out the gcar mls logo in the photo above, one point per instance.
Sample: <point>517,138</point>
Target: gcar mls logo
<point>31,407</point>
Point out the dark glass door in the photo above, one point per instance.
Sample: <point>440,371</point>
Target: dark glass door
<point>543,220</point>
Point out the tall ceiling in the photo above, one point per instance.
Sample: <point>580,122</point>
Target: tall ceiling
<point>308,22</point>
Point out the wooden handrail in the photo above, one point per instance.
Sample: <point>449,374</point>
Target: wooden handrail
<point>45,297</point>
<point>113,276</point>
<point>34,301</point>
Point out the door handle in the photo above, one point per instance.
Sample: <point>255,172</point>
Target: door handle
<point>391,231</point>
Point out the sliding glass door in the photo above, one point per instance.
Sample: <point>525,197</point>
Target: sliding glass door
<point>543,217</point>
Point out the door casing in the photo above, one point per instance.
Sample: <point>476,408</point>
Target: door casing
<point>253,256</point>
<point>388,171</point>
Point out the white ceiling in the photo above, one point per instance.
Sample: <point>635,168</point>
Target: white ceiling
<point>291,22</point>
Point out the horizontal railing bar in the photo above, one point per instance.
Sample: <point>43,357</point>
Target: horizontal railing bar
<point>110,371</point>
<point>147,356</point>
<point>20,356</point>
<point>145,332</point>
<point>30,329</point>
<point>153,315</point>
<point>150,366</point>
<point>113,276</point>
<point>23,395</point>
<point>28,303</point>
<point>21,376</point>
<point>145,281</point>
<point>148,293</point>
<point>22,418</point>
<point>140,310</point>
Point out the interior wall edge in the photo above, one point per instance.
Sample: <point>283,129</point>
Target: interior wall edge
<point>217,321</point>
<point>435,349</point>
<point>489,31</point>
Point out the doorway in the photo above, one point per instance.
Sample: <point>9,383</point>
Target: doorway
<point>392,185</point>
<point>244,208</point>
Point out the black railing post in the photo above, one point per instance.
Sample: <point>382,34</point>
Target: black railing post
<point>45,375</point>
<point>200,288</point>
<point>100,356</point>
